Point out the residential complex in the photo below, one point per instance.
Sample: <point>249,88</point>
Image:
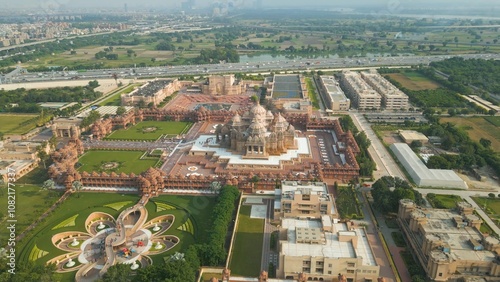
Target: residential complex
<point>392,97</point>
<point>448,243</point>
<point>363,95</point>
<point>334,96</point>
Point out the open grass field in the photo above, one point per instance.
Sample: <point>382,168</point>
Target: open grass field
<point>36,176</point>
<point>414,81</point>
<point>477,128</point>
<point>31,202</point>
<point>196,209</point>
<point>150,130</point>
<point>122,161</point>
<point>492,207</point>
<point>247,249</point>
<point>17,123</point>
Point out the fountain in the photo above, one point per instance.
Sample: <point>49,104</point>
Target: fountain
<point>75,242</point>
<point>134,265</point>
<point>156,228</point>
<point>158,246</point>
<point>101,226</point>
<point>70,263</point>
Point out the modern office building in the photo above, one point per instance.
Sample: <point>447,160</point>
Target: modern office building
<point>334,96</point>
<point>364,97</point>
<point>392,97</point>
<point>449,244</point>
<point>303,200</point>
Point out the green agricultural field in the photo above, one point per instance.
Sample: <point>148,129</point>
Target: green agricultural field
<point>31,202</point>
<point>493,120</point>
<point>414,81</point>
<point>246,258</point>
<point>17,123</point>
<point>195,209</point>
<point>477,128</point>
<point>150,130</point>
<point>115,161</point>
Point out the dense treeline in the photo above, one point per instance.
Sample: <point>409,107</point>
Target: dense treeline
<point>388,201</point>
<point>23,100</point>
<point>228,54</point>
<point>366,164</point>
<point>213,253</point>
<point>481,73</point>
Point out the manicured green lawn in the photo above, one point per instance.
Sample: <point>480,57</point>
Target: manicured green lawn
<point>492,208</point>
<point>247,248</point>
<point>141,131</point>
<point>197,209</point>
<point>347,203</point>
<point>13,123</point>
<point>31,202</point>
<point>36,176</point>
<point>445,201</point>
<point>128,161</point>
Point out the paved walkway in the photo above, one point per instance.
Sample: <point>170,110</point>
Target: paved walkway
<point>268,255</point>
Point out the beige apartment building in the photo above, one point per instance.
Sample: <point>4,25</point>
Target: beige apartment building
<point>303,200</point>
<point>364,97</point>
<point>448,243</point>
<point>313,243</point>
<point>152,92</point>
<point>334,96</point>
<point>392,97</point>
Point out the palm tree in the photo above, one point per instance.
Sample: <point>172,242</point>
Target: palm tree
<point>115,77</point>
<point>76,187</point>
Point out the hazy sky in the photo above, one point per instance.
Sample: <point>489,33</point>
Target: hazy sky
<point>50,4</point>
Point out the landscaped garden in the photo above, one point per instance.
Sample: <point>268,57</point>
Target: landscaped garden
<point>246,256</point>
<point>192,222</point>
<point>31,201</point>
<point>443,201</point>
<point>116,161</point>
<point>150,130</point>
<point>491,206</point>
<point>347,203</point>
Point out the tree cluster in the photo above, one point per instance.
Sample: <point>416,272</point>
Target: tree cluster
<point>213,253</point>
<point>388,190</point>
<point>228,54</point>
<point>27,99</point>
<point>366,164</point>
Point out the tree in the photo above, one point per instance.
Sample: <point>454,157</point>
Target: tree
<point>118,272</point>
<point>491,195</point>
<point>76,186</point>
<point>141,104</point>
<point>255,98</point>
<point>42,154</point>
<point>485,142</point>
<point>415,144</point>
<point>120,110</point>
<point>48,184</point>
<point>115,77</point>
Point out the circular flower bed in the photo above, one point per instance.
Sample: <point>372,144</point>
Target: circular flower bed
<point>110,165</point>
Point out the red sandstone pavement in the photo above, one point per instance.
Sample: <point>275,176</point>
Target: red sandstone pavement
<point>400,265</point>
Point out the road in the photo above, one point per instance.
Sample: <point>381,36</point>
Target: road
<point>385,163</point>
<point>278,66</point>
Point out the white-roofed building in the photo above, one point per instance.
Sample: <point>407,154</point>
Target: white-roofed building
<point>423,176</point>
<point>322,254</point>
<point>335,97</point>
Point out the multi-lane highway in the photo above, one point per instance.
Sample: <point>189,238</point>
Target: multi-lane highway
<point>260,67</point>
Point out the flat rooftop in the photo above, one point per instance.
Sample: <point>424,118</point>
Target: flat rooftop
<point>412,135</point>
<point>333,89</point>
<point>441,226</point>
<point>150,88</point>
<point>360,86</point>
<point>104,110</point>
<point>422,175</point>
<point>207,143</point>
<point>287,86</point>
<point>384,86</point>
<point>332,248</point>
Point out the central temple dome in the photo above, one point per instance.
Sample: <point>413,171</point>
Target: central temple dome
<point>257,110</point>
